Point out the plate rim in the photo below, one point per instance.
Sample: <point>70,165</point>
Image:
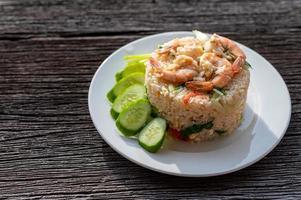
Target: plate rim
<point>183,174</point>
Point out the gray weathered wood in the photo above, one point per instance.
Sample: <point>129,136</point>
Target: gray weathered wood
<point>49,51</point>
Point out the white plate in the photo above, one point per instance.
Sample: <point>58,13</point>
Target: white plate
<point>267,116</point>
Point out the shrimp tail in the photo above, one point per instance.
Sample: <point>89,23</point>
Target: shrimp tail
<point>237,64</point>
<point>231,46</point>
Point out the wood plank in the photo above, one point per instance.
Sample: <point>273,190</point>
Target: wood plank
<point>116,17</point>
<point>49,143</point>
<point>49,51</point>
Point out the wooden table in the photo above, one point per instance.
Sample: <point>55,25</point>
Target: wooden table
<point>49,51</point>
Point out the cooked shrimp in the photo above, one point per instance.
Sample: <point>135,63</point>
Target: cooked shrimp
<point>222,46</point>
<point>179,76</point>
<point>167,47</point>
<point>223,73</point>
<point>189,41</point>
<point>183,70</point>
<point>230,46</point>
<point>184,46</point>
<point>191,51</point>
<point>237,64</point>
<point>183,61</point>
<point>202,86</point>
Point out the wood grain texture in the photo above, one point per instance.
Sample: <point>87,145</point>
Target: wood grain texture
<point>49,51</point>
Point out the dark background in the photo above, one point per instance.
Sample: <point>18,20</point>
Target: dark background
<point>49,51</point>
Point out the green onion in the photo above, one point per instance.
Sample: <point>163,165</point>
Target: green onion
<point>136,58</point>
<point>178,88</point>
<point>175,89</point>
<point>219,91</point>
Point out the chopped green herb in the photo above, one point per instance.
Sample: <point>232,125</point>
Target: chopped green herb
<point>228,54</point>
<point>219,91</point>
<point>160,46</point>
<point>196,128</point>
<point>179,88</point>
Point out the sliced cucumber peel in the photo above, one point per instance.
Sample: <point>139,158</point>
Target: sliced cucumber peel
<point>129,96</point>
<point>114,114</point>
<point>135,78</point>
<point>152,135</point>
<point>111,96</point>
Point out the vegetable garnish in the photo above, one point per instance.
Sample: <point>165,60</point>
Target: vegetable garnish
<point>136,58</point>
<point>152,135</point>
<point>175,89</point>
<point>229,55</point>
<point>196,128</point>
<point>217,93</point>
<point>131,109</point>
<point>134,117</point>
<point>179,88</point>
<point>220,92</point>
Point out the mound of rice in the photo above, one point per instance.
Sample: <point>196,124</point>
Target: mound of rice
<point>225,113</point>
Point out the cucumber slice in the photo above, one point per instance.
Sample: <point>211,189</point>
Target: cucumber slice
<point>152,136</point>
<point>133,118</point>
<point>136,67</point>
<point>118,76</point>
<point>125,131</point>
<point>114,114</point>
<point>130,95</point>
<point>129,69</point>
<point>135,78</point>
<point>111,96</point>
